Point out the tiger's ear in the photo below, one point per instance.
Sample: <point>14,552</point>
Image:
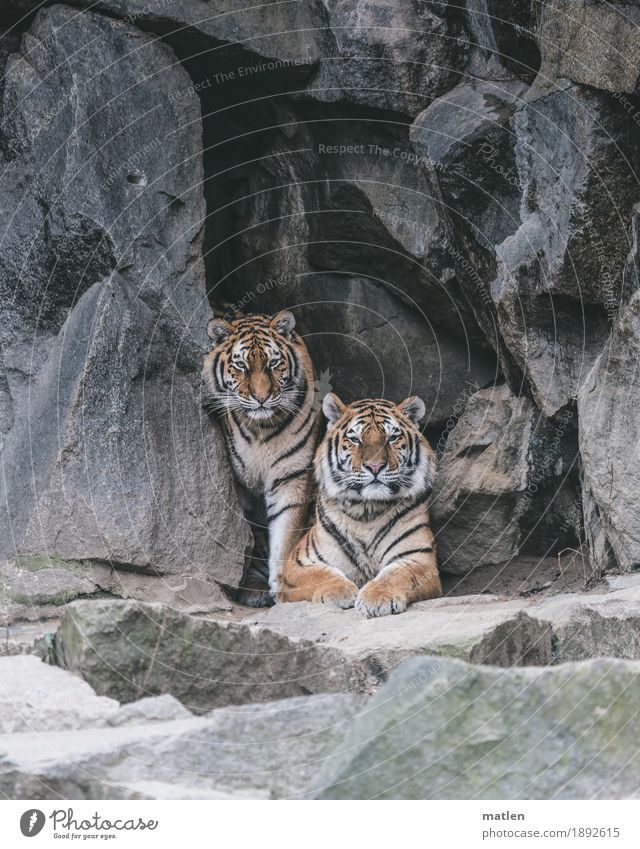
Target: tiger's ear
<point>283,322</point>
<point>333,407</point>
<point>413,408</point>
<point>218,329</point>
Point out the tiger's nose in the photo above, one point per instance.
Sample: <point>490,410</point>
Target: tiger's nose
<point>375,468</point>
<point>261,397</point>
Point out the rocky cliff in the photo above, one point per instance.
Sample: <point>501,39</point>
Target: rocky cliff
<point>445,194</point>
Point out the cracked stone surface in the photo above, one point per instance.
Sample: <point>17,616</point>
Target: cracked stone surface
<point>482,629</point>
<point>566,732</point>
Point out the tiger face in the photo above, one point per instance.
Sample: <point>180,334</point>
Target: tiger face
<point>254,367</point>
<point>374,451</point>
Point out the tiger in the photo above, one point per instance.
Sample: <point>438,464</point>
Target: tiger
<point>370,544</point>
<point>259,379</point>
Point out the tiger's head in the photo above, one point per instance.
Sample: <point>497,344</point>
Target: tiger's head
<point>255,366</point>
<point>374,451</point>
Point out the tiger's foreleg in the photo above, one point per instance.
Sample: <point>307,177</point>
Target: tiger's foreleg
<point>399,584</point>
<point>288,503</point>
<point>253,590</point>
<point>305,578</point>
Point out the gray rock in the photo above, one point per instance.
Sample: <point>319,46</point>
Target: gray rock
<point>128,650</point>
<point>502,36</point>
<point>608,434</point>
<point>256,751</point>
<point>100,170</point>
<point>593,43</point>
<point>124,469</point>
<point>139,477</point>
<point>446,730</point>
<point>553,310</point>
<point>392,56</point>
<point>488,629</point>
<point>45,582</point>
<point>36,698</point>
<point>150,709</point>
<point>467,143</point>
<point>521,171</point>
<point>456,627</point>
<point>504,482</point>
<point>399,351</point>
<point>286,33</point>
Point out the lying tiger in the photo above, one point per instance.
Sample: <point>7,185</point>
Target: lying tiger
<point>260,379</point>
<point>370,545</point>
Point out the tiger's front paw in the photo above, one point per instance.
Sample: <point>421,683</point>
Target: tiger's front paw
<point>340,592</point>
<point>375,600</point>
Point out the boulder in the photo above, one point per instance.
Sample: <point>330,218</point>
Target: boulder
<point>446,730</point>
<point>36,698</point>
<point>129,650</point>
<point>150,709</point>
<point>241,42</point>
<point>502,36</point>
<point>124,469</point>
<point>505,482</point>
<point>451,627</point>
<point>465,139</point>
<point>521,172</point>
<point>137,477</point>
<point>553,310</point>
<point>257,751</point>
<point>392,56</point>
<point>485,629</point>
<point>593,43</point>
<point>608,436</point>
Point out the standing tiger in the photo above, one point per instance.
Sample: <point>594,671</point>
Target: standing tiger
<point>260,379</point>
<point>370,544</point>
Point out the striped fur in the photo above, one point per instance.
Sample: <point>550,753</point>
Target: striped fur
<point>259,378</point>
<point>370,544</point>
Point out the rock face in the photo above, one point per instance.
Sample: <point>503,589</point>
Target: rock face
<point>552,308</point>
<point>104,181</point>
<point>505,481</point>
<point>252,752</point>
<point>486,629</point>
<point>443,194</point>
<point>205,664</point>
<point>533,733</point>
<point>608,430</point>
<point>380,63</point>
<point>36,697</point>
<point>436,718</point>
<point>593,43</point>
